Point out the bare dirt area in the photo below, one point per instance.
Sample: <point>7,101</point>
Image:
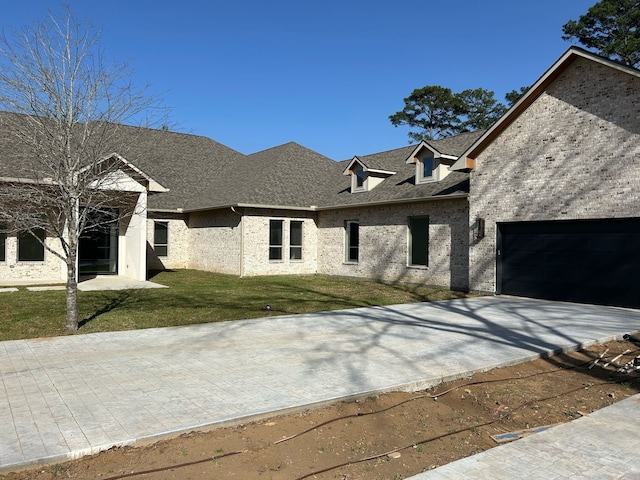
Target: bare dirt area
<point>389,436</point>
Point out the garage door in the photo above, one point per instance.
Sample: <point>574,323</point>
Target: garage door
<point>596,261</point>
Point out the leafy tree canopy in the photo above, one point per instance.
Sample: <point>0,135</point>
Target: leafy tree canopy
<point>480,109</point>
<point>513,96</point>
<point>437,112</point>
<point>433,109</point>
<point>612,27</point>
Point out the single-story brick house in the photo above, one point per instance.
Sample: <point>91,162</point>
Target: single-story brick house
<point>542,204</point>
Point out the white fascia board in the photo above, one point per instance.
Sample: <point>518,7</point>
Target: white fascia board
<point>419,147</point>
<point>118,180</point>
<point>311,208</point>
<point>381,172</point>
<point>350,166</point>
<point>153,185</point>
<point>365,168</point>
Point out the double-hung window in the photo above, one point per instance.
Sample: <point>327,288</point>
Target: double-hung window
<point>295,240</point>
<point>352,241</point>
<point>275,239</point>
<point>161,238</point>
<point>419,241</point>
<point>31,246</point>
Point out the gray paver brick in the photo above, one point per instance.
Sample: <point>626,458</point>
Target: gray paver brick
<point>73,395</point>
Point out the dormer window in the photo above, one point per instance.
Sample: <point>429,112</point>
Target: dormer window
<point>364,178</point>
<point>428,164</point>
<point>358,178</point>
<point>431,165</point>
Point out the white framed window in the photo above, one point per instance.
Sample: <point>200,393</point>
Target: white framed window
<point>419,241</point>
<point>295,240</point>
<point>275,239</point>
<point>352,241</point>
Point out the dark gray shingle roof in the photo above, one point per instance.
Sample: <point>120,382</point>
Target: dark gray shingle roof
<point>202,173</point>
<point>456,145</point>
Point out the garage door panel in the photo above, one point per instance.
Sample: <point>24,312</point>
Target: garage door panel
<point>578,261</point>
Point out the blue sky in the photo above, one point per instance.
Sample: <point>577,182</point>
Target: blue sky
<point>326,74</point>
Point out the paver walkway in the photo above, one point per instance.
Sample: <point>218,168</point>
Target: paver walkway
<point>603,445</point>
<point>69,396</point>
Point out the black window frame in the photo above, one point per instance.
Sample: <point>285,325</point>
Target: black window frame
<point>352,241</point>
<point>3,243</point>
<point>161,248</point>
<point>418,226</point>
<point>276,228</point>
<point>295,244</point>
<point>31,245</point>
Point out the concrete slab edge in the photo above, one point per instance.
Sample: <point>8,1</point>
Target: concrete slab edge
<point>46,289</point>
<point>64,457</point>
<point>409,387</point>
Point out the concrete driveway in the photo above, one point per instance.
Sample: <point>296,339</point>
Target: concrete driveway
<point>69,396</point>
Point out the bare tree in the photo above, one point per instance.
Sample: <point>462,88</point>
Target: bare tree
<point>64,106</point>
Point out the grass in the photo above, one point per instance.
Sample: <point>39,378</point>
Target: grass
<point>200,297</point>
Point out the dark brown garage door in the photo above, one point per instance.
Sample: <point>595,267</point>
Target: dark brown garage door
<point>595,261</point>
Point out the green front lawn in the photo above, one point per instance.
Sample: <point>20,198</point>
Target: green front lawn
<point>199,297</point>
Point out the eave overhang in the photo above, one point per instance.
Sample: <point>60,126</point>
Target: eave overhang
<point>311,208</point>
<point>349,170</point>
<point>151,185</point>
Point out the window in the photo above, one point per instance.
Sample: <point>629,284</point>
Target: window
<point>427,167</point>
<point>31,246</point>
<point>358,178</point>
<point>295,240</point>
<point>419,241</point>
<point>427,170</point>
<point>161,238</point>
<point>3,238</point>
<point>352,241</point>
<point>275,239</point>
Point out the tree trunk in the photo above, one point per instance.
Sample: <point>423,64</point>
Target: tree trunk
<point>72,296</point>
<point>72,282</point>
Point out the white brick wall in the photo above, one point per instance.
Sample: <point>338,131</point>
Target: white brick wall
<point>52,268</point>
<point>178,238</point>
<point>256,243</point>
<point>215,241</point>
<point>384,243</point>
<point>573,154</point>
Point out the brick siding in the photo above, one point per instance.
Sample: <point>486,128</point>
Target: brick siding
<point>256,243</point>
<point>384,238</point>
<point>52,268</point>
<point>573,154</point>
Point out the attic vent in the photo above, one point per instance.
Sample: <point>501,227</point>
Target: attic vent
<point>165,128</point>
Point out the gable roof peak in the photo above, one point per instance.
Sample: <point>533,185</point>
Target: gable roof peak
<point>466,159</point>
